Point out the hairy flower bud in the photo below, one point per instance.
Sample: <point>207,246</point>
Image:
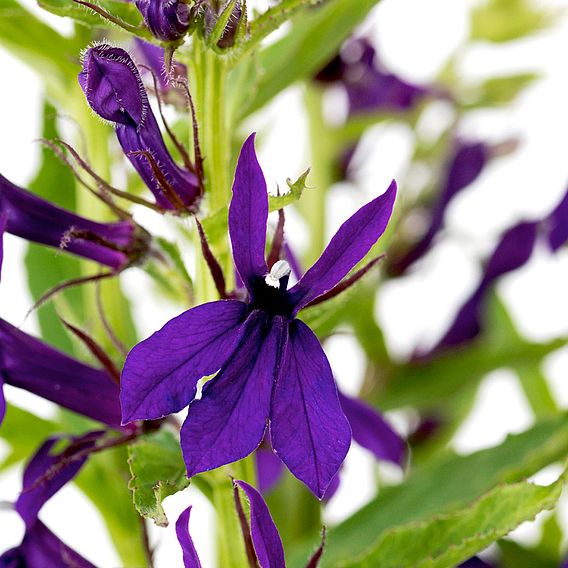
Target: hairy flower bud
<point>28,216</point>
<point>114,90</point>
<point>168,20</point>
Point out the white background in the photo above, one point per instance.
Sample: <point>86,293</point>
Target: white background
<point>414,38</point>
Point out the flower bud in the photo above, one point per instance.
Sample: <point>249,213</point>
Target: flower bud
<point>168,20</point>
<point>114,90</point>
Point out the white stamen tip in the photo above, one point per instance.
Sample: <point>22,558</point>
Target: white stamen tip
<point>279,270</point>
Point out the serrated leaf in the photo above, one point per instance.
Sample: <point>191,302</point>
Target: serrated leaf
<point>505,20</point>
<point>448,540</point>
<point>158,470</point>
<point>444,486</point>
<point>215,226</point>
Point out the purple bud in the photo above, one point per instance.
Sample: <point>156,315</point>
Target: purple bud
<point>114,90</point>
<point>28,216</point>
<point>168,20</point>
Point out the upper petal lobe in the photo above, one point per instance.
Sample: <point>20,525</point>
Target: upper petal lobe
<point>247,216</point>
<point>349,245</point>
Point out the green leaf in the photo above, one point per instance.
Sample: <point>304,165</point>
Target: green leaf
<point>45,267</point>
<point>23,432</point>
<point>500,90</point>
<point>297,187</point>
<point>103,480</point>
<point>446,541</point>
<point>125,12</point>
<point>442,487</point>
<point>215,226</point>
<point>313,40</point>
<point>42,48</point>
<point>270,20</point>
<point>505,20</point>
<point>158,470</point>
<point>513,555</point>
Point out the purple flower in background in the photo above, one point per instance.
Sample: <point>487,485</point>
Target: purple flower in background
<point>513,250</point>
<point>168,20</point>
<point>48,471</point>
<point>41,548</point>
<point>465,166</point>
<point>272,367</point>
<point>370,87</point>
<point>26,215</point>
<point>30,364</point>
<point>114,90</point>
<point>262,542</point>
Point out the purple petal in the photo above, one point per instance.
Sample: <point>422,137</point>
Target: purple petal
<point>333,486</point>
<point>466,165</point>
<point>2,400</point>
<point>248,213</point>
<point>229,421</point>
<point>30,364</point>
<point>308,429</point>
<point>3,221</point>
<point>161,373</point>
<point>349,245</point>
<point>168,21</point>
<point>475,562</point>
<point>513,251</point>
<point>265,537</point>
<point>48,472</point>
<point>269,468</point>
<point>370,430</point>
<point>557,223</point>
<point>190,557</point>
<point>35,219</point>
<point>40,548</point>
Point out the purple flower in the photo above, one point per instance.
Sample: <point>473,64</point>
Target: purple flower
<point>26,215</point>
<point>190,557</point>
<point>114,90</point>
<point>513,250</point>
<point>168,20</point>
<point>48,471</point>
<point>41,548</point>
<point>465,166</point>
<point>272,367</point>
<point>153,56</point>
<point>370,87</point>
<point>30,364</point>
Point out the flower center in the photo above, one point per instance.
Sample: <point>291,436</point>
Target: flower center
<point>269,293</point>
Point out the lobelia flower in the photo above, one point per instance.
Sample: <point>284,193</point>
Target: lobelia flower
<point>30,364</point>
<point>26,215</point>
<point>513,250</point>
<point>41,548</point>
<point>466,164</point>
<point>368,85</point>
<point>168,20</point>
<point>272,369</point>
<point>44,475</point>
<point>114,90</point>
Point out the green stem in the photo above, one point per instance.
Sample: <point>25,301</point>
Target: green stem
<point>537,391</point>
<point>313,203</point>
